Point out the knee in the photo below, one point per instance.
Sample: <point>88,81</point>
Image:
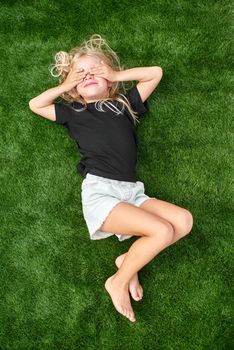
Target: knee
<point>186,222</point>
<point>165,235</point>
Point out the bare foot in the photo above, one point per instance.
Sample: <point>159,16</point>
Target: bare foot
<point>120,298</point>
<point>135,288</point>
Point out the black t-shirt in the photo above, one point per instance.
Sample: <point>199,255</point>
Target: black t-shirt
<point>106,141</point>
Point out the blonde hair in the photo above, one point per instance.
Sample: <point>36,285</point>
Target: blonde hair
<point>95,46</point>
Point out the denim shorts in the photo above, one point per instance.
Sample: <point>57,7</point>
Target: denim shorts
<point>100,195</point>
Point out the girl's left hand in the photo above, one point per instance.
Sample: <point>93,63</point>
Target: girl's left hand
<point>103,71</point>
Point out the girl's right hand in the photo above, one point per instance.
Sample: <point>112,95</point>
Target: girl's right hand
<point>73,78</point>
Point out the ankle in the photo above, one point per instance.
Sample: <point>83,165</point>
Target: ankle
<point>118,280</point>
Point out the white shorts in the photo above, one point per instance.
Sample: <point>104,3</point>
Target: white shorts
<point>100,195</point>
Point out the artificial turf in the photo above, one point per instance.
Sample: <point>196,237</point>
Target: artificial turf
<point>52,274</point>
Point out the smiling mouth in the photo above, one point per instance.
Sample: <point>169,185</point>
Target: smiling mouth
<point>90,84</point>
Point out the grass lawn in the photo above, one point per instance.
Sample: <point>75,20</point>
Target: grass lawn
<point>52,274</point>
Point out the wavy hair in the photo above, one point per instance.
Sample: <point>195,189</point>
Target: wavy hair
<point>98,47</point>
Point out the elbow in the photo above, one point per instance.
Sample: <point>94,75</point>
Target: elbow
<point>159,71</point>
<point>30,104</point>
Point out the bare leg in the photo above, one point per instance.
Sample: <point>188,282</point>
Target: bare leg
<point>140,253</point>
<point>135,288</point>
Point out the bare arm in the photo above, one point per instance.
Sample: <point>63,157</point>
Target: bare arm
<point>138,73</point>
<point>43,103</point>
<point>148,77</point>
<point>47,97</point>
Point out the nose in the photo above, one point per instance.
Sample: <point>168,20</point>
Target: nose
<point>88,74</point>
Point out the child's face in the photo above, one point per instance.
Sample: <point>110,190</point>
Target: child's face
<point>92,92</point>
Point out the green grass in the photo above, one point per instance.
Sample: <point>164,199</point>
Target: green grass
<point>52,274</point>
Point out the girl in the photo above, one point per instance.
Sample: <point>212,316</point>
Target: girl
<point>101,117</point>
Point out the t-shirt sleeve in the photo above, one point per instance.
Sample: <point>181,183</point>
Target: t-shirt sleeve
<point>135,100</point>
<point>63,113</point>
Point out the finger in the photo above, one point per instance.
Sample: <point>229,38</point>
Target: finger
<point>80,75</point>
<point>78,70</point>
<point>97,70</point>
<point>96,66</point>
<point>80,81</point>
<point>95,73</point>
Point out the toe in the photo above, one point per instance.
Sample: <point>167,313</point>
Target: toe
<point>124,311</point>
<point>137,297</point>
<point>134,295</point>
<point>140,292</point>
<point>128,314</point>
